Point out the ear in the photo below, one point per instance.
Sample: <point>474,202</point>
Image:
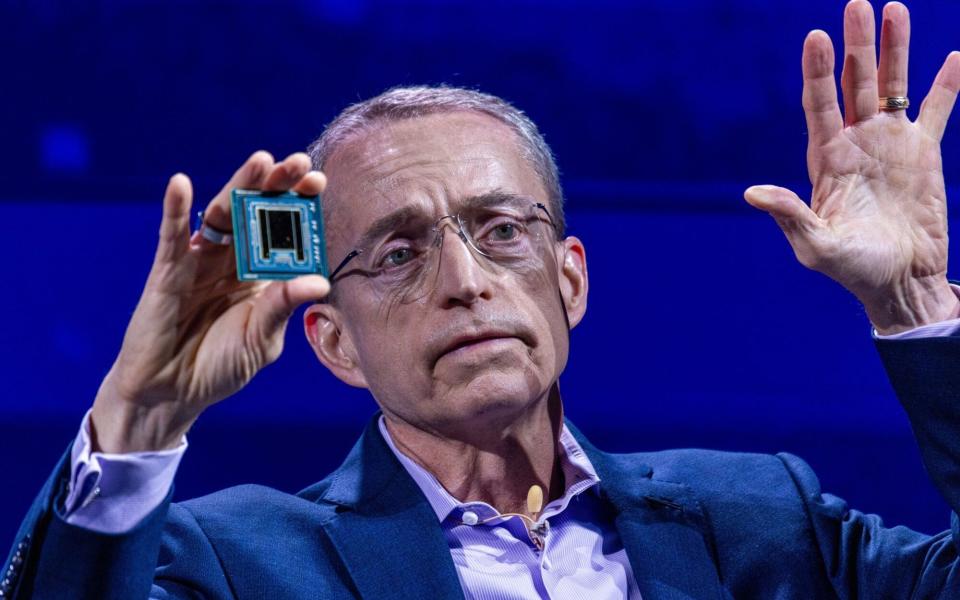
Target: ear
<point>574,282</point>
<point>322,324</point>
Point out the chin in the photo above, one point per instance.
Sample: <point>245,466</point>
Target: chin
<point>495,397</point>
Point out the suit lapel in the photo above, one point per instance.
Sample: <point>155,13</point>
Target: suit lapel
<point>389,539</point>
<point>662,527</point>
<point>399,555</point>
<point>384,530</point>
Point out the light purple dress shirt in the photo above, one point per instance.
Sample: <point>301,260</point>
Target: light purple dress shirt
<point>496,559</point>
<point>111,493</point>
<point>582,555</point>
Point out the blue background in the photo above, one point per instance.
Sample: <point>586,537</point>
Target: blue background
<point>703,330</point>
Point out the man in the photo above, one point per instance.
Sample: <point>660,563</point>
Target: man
<point>452,303</point>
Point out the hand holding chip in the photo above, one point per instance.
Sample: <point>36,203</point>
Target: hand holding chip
<point>198,334</point>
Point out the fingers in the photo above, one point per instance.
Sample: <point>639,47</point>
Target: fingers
<point>286,174</point>
<point>313,183</point>
<point>859,78</point>
<point>800,224</point>
<point>819,89</point>
<point>894,50</point>
<point>273,308</point>
<point>250,175</point>
<point>260,172</point>
<point>175,223</point>
<point>936,107</point>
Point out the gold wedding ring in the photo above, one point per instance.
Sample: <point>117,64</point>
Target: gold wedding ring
<point>894,102</point>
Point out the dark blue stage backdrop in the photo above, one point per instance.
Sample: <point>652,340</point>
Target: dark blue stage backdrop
<point>702,328</point>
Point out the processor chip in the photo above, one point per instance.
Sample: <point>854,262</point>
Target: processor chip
<point>277,236</point>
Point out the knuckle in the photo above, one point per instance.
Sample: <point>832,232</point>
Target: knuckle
<point>273,351</point>
<point>808,255</point>
<point>810,260</point>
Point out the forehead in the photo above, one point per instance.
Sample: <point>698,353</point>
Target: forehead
<point>431,163</point>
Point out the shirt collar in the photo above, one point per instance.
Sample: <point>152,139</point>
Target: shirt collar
<point>578,473</point>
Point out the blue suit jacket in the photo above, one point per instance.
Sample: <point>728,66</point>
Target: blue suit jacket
<point>695,524</point>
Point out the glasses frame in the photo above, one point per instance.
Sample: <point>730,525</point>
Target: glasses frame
<point>436,228</point>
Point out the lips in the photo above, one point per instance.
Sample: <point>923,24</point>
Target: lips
<point>465,341</point>
<point>452,342</point>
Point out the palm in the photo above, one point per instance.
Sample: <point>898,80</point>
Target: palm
<point>877,220</point>
<point>878,188</point>
<point>198,334</point>
<point>228,355</point>
<point>201,347</point>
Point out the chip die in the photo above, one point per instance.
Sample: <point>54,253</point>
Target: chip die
<point>277,235</point>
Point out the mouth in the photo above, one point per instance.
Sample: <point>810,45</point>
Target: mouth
<point>479,342</point>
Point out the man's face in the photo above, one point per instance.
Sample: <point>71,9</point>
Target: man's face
<point>479,344</point>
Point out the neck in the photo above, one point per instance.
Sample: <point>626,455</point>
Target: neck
<point>496,463</point>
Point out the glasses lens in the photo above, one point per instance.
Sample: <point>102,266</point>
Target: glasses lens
<point>506,234</point>
<point>501,238</point>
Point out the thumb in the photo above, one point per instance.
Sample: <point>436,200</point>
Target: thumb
<point>273,308</point>
<point>783,205</point>
<point>803,227</point>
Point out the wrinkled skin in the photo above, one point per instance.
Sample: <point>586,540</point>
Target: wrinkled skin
<point>477,415</point>
<point>877,220</point>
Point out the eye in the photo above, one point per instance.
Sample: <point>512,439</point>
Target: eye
<point>397,258</point>
<point>504,232</point>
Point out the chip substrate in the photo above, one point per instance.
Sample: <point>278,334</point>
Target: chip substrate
<point>277,235</point>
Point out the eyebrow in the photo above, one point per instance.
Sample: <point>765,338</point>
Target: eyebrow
<point>390,222</point>
<point>403,216</point>
<point>497,198</point>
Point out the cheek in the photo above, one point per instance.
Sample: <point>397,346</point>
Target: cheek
<point>388,349</point>
<point>381,351</point>
<point>546,317</point>
<point>554,347</point>
<point>543,292</point>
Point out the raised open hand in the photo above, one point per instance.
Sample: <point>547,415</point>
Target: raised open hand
<point>877,221</point>
<point>198,334</point>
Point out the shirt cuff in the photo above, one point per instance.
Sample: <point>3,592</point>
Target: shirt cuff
<point>941,329</point>
<point>112,493</point>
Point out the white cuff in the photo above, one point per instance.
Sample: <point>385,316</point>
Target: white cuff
<point>112,493</point>
<point>941,329</point>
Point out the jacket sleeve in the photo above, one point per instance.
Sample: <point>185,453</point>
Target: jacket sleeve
<point>861,557</point>
<point>165,556</point>
<point>925,374</point>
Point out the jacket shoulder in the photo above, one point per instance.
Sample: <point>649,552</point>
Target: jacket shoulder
<point>238,531</point>
<point>243,503</point>
<point>719,472</point>
<point>737,492</point>
<point>755,512</point>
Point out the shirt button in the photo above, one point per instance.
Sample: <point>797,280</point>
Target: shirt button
<point>470,518</point>
<point>541,529</point>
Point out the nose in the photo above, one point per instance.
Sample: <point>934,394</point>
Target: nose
<point>461,278</point>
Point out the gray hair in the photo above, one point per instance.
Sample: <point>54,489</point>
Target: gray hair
<point>410,102</point>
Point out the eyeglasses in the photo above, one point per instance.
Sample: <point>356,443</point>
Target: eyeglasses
<point>506,235</point>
